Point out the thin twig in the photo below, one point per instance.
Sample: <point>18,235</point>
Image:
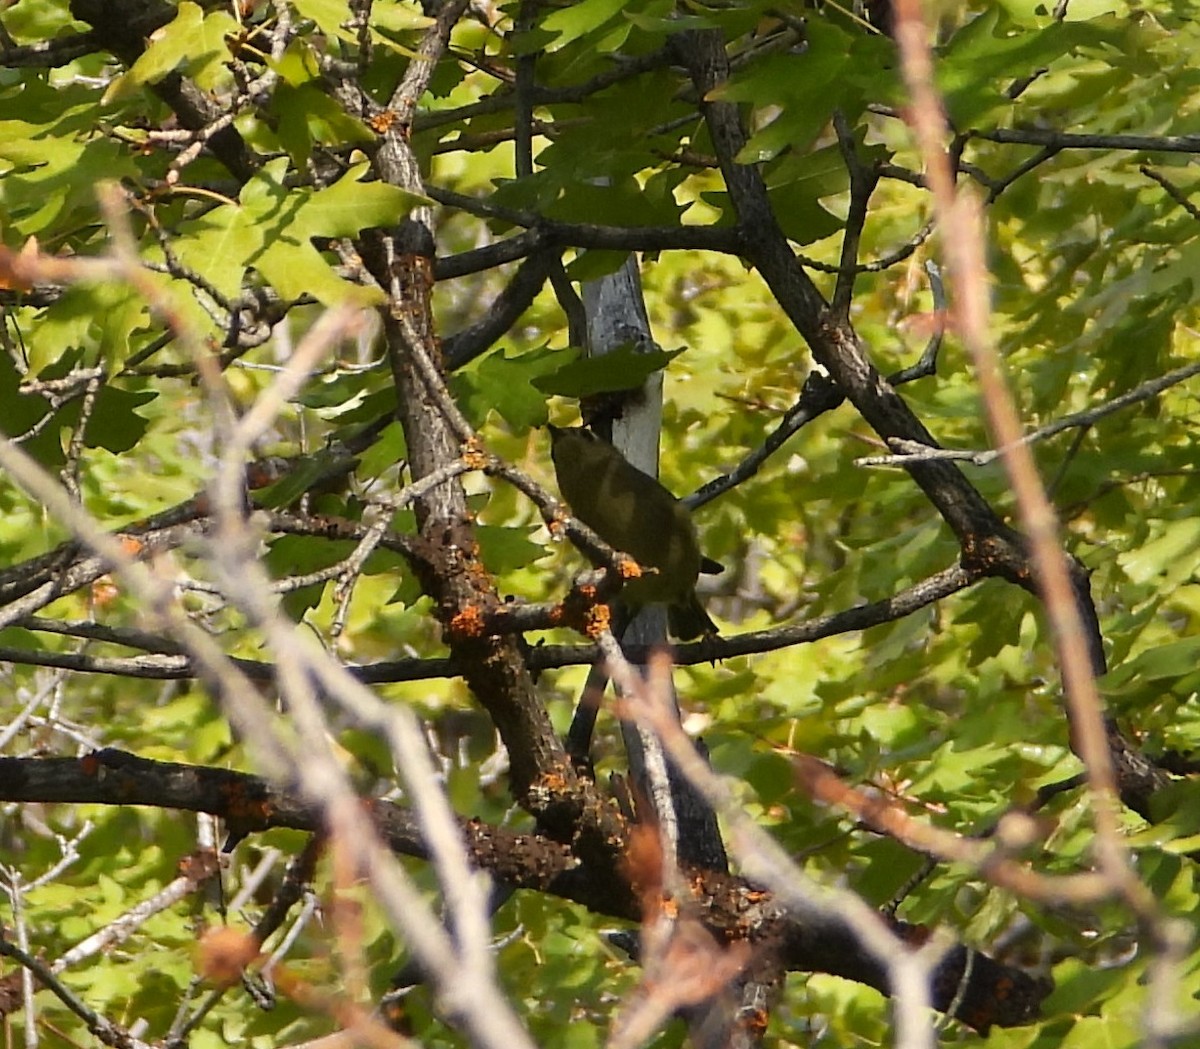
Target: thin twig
<point>107,1031</point>
<point>1032,136</point>
<point>963,244</point>
<point>862,184</point>
<point>910,451</point>
<point>1173,191</point>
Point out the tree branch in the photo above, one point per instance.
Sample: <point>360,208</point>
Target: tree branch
<point>730,908</point>
<point>1059,140</point>
<point>988,545</point>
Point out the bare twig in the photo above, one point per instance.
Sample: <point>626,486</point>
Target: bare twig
<point>862,184</point>
<point>910,451</point>
<point>107,1031</point>
<point>1173,191</point>
<point>1033,136</point>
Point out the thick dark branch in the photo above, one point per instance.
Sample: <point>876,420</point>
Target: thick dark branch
<point>862,184</point>
<point>591,235</point>
<point>130,637</point>
<point>818,395</point>
<point>989,546</point>
<point>733,910</point>
<point>833,342</point>
<point>32,585</point>
<point>480,260</point>
<point>998,186</point>
<point>542,233</point>
<point>166,666</point>
<point>504,311</point>
<point>48,54</point>
<point>153,667</point>
<point>448,565</point>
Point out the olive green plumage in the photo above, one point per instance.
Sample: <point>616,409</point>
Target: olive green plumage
<point>632,512</point>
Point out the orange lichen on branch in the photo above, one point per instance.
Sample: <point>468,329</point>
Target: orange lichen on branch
<point>381,123</point>
<point>628,568</point>
<point>554,783</point>
<point>469,622</point>
<point>474,454</point>
<point>131,545</point>
<point>597,620</point>
<point>476,570</point>
<point>580,611</point>
<point>264,472</point>
<point>756,1023</point>
<point>553,788</point>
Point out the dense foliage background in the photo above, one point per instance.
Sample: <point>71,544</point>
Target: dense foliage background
<point>235,235</point>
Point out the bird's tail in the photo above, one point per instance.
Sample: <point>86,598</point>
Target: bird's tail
<point>688,621</point>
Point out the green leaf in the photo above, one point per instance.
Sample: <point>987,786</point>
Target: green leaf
<point>350,205</point>
<point>333,17</point>
<point>21,410</point>
<point>508,549</point>
<point>803,89</point>
<point>1169,662</point>
<point>297,270</point>
<point>595,263</point>
<point>192,39</point>
<point>578,19</point>
<point>889,868</point>
<point>310,472</point>
<point>394,18</point>
<point>625,368</point>
<point>298,65</point>
<point>620,202</point>
<point>509,386</point>
<point>90,324</point>
<point>59,186</point>
<point>219,245</point>
<point>307,115</point>
<point>388,449</point>
<point>989,52</point>
<point>289,260</point>
<point>800,216</point>
<point>1174,554</point>
<point>114,423</point>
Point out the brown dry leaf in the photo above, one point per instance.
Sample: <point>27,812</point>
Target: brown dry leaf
<point>223,954</point>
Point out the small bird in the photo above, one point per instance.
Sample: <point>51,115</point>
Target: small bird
<point>633,513</point>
